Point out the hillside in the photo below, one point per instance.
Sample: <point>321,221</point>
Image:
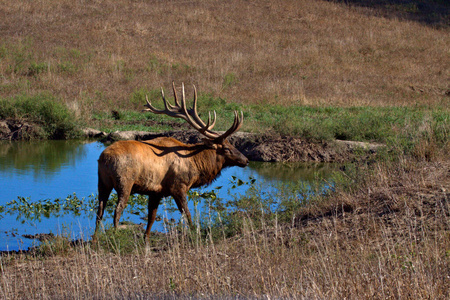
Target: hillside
<point>96,55</point>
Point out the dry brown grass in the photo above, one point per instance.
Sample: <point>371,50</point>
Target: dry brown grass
<point>388,239</point>
<point>95,54</point>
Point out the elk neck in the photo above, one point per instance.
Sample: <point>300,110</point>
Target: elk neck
<point>209,164</point>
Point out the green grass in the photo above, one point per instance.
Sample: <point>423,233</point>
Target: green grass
<point>401,128</point>
<point>124,120</point>
<point>122,241</point>
<point>379,124</point>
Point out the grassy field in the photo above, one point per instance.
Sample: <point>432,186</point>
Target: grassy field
<point>100,56</point>
<point>321,70</point>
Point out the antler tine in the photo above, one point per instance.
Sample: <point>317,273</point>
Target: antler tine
<point>169,108</point>
<point>175,94</point>
<point>167,104</point>
<point>213,121</point>
<point>183,98</point>
<point>195,114</point>
<point>235,127</point>
<point>207,126</point>
<point>150,107</point>
<point>184,109</point>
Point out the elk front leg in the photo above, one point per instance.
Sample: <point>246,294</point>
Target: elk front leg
<point>181,201</point>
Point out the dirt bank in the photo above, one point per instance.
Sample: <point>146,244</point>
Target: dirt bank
<point>16,130</point>
<point>269,148</point>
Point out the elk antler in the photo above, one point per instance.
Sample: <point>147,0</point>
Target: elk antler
<point>191,115</point>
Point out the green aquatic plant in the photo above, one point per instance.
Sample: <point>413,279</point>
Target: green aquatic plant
<point>27,210</point>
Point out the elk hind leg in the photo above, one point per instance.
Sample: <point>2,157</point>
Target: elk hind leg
<point>153,203</point>
<point>123,194</point>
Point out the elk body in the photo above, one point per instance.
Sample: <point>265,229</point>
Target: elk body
<point>164,166</point>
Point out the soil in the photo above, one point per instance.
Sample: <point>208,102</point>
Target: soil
<point>267,148</point>
<point>16,130</point>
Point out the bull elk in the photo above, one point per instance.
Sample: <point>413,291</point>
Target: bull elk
<point>164,166</point>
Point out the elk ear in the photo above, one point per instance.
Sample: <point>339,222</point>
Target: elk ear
<point>210,143</point>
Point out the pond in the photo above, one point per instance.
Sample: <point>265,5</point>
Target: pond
<point>40,170</point>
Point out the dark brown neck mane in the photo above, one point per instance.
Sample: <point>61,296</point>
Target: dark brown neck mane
<point>209,165</point>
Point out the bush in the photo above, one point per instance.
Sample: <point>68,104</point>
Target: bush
<point>56,120</point>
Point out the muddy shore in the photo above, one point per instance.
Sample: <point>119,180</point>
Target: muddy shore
<point>267,148</point>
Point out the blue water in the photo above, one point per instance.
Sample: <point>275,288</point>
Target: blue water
<point>56,169</point>
<point>53,172</point>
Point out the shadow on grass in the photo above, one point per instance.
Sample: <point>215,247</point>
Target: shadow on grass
<point>435,13</point>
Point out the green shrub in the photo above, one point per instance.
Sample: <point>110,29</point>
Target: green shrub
<point>229,80</point>
<point>56,120</point>
<point>37,68</point>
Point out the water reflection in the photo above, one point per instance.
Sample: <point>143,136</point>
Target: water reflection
<point>42,158</point>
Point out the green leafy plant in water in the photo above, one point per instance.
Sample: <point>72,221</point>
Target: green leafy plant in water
<point>27,210</point>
